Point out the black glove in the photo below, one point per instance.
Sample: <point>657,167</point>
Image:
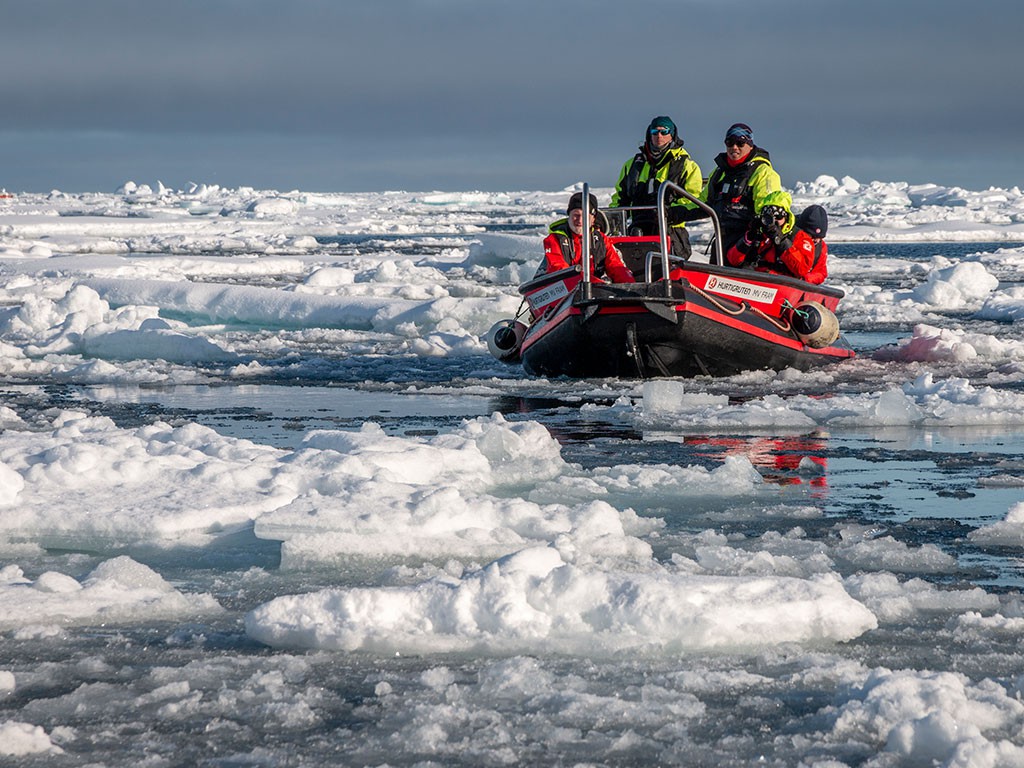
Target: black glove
<point>748,251</point>
<point>748,245</point>
<point>680,214</point>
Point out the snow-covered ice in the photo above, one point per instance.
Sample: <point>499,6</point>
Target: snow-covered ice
<point>259,475</point>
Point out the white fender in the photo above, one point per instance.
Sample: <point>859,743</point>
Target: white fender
<point>504,338</point>
<point>814,324</point>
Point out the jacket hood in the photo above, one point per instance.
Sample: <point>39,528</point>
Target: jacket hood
<point>675,149</point>
<point>783,200</point>
<point>561,226</point>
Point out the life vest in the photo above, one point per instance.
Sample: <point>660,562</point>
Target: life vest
<point>729,190</point>
<point>641,182</point>
<point>819,248</point>
<point>566,241</point>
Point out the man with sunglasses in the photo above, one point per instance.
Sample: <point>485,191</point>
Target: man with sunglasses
<point>661,158</point>
<point>737,188</point>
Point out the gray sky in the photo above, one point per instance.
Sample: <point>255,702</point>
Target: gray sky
<point>346,95</point>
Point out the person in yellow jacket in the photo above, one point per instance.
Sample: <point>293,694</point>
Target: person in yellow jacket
<point>739,186</point>
<point>661,158</point>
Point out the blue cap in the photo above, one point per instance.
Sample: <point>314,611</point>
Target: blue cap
<point>740,131</point>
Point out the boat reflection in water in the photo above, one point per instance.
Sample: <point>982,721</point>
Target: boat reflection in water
<point>789,460</point>
<point>780,459</point>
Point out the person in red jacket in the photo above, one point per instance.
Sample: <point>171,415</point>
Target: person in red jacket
<point>563,247</point>
<point>802,253</point>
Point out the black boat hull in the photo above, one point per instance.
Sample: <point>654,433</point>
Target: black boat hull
<point>637,331</point>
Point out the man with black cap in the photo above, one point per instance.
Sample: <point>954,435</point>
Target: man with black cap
<point>661,158</point>
<point>563,247</point>
<point>738,186</point>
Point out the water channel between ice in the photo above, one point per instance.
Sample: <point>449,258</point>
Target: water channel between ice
<point>913,478</point>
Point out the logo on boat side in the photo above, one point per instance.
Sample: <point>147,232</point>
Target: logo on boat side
<point>737,288</point>
<point>547,295</point>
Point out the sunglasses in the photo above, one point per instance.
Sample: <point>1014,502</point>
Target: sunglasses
<point>661,131</point>
<point>736,141</point>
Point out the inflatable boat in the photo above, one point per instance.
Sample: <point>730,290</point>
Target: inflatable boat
<point>699,319</point>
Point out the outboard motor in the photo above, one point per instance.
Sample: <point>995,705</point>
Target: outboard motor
<point>504,338</point>
<point>814,324</point>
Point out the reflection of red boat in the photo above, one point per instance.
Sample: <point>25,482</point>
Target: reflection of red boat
<point>706,319</point>
<point>780,459</point>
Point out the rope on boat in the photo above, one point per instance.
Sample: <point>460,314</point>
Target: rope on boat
<point>519,312</point>
<point>719,304</point>
<point>797,310</point>
<point>782,326</point>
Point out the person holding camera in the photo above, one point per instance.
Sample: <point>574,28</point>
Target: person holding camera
<point>778,242</point>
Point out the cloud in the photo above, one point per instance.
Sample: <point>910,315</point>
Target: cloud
<point>510,81</point>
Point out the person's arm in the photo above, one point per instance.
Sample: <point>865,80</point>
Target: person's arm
<point>684,210</point>
<point>693,179</point>
<point>799,256</point>
<point>799,259</point>
<point>749,249</point>
<point>619,199</point>
<point>764,182</point>
<point>614,266</point>
<point>819,271</point>
<point>743,252</point>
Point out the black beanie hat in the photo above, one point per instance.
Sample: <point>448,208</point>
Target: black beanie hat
<point>813,220</point>
<point>576,201</point>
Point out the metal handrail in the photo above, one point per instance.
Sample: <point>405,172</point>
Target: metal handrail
<point>621,213</point>
<point>585,247</point>
<point>649,264</point>
<point>666,186</point>
<point>663,229</point>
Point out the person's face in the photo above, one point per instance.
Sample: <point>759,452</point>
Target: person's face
<point>737,147</point>
<point>660,137</point>
<point>576,220</point>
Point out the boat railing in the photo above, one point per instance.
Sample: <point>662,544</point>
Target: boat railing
<point>663,190</point>
<point>585,248</point>
<point>649,264</point>
<point>619,218</point>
